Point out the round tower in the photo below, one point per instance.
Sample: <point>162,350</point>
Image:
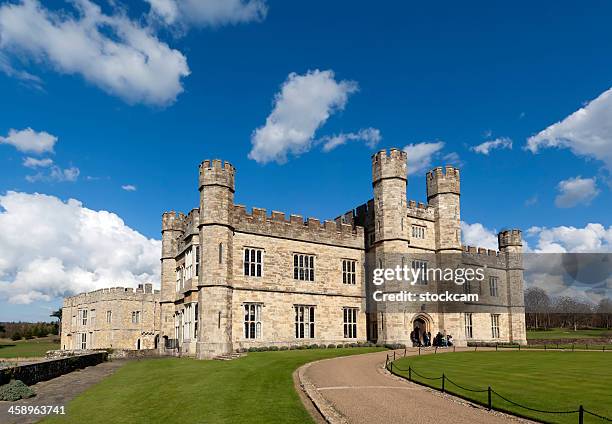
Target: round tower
<point>443,193</point>
<point>173,225</point>
<point>389,181</point>
<point>511,247</point>
<point>216,185</point>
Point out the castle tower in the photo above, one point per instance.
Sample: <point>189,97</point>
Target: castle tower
<point>389,180</point>
<point>443,192</point>
<point>172,227</point>
<point>216,185</point>
<point>511,247</point>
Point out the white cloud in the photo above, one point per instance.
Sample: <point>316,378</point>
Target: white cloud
<point>592,238</point>
<point>129,187</point>
<point>30,141</point>
<point>52,248</point>
<point>420,155</point>
<point>499,143</point>
<point>34,163</point>
<point>478,235</point>
<point>371,137</point>
<point>208,12</point>
<point>586,132</point>
<point>303,105</point>
<point>575,191</point>
<point>117,54</point>
<point>56,174</point>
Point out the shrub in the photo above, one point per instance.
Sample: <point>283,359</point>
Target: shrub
<point>339,345</point>
<point>302,347</point>
<point>15,390</point>
<point>313,346</point>
<point>283,348</point>
<point>16,336</point>
<point>273,348</point>
<point>331,346</point>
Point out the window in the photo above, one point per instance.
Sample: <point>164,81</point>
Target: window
<point>468,326</point>
<point>304,322</point>
<point>252,320</point>
<point>493,286</point>
<point>418,231</point>
<point>252,262</point>
<point>83,316</point>
<point>467,287</point>
<point>135,317</point>
<point>109,317</point>
<point>350,323</point>
<point>495,326</point>
<point>348,271</point>
<point>195,320</point>
<point>220,253</point>
<point>303,267</point>
<point>92,317</point>
<point>83,340</point>
<point>189,262</point>
<point>197,261</point>
<point>422,266</point>
<point>372,239</point>
<point>187,321</point>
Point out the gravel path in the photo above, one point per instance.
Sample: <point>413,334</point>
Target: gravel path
<point>357,389</point>
<point>59,391</point>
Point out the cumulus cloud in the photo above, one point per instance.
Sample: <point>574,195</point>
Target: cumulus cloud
<point>586,132</point>
<point>55,173</point>
<point>30,141</point>
<point>499,143</point>
<point>575,191</point>
<point>371,137</point>
<point>303,105</point>
<point>420,156</point>
<point>129,187</point>
<point>593,237</point>
<point>34,163</point>
<point>113,52</point>
<point>51,248</point>
<point>478,235</point>
<point>208,12</point>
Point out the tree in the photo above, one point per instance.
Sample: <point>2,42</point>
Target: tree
<point>16,336</point>
<point>604,310</point>
<point>536,303</point>
<point>57,314</point>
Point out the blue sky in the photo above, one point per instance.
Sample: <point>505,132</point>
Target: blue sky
<point>453,73</point>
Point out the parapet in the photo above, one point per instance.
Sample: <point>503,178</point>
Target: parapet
<point>144,292</point>
<point>443,180</point>
<point>277,224</point>
<point>507,238</point>
<point>217,173</point>
<point>483,257</point>
<point>171,221</point>
<point>386,166</point>
<point>420,210</point>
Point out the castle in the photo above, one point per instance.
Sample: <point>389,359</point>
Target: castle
<point>232,280</point>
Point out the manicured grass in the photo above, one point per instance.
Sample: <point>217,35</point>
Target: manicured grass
<point>552,381</point>
<point>26,348</point>
<point>255,389</point>
<point>566,333</point>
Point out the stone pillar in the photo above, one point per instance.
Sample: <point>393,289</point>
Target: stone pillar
<point>511,246</point>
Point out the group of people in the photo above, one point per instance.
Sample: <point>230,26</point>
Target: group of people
<point>425,340</point>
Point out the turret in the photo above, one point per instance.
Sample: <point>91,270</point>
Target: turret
<point>389,181</point>
<point>443,193</point>
<point>216,184</point>
<point>510,241</point>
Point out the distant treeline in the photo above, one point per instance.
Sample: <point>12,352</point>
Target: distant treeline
<point>544,311</point>
<point>27,330</point>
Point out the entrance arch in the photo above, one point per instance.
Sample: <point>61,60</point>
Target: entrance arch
<point>420,324</point>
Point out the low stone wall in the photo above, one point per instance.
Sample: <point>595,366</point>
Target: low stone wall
<point>46,370</point>
<point>569,341</point>
<point>133,354</point>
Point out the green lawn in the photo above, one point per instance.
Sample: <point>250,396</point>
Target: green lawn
<point>554,381</point>
<point>566,333</point>
<point>26,348</point>
<point>255,389</point>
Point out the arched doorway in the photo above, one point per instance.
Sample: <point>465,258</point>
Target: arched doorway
<point>138,345</point>
<point>156,341</point>
<point>421,324</point>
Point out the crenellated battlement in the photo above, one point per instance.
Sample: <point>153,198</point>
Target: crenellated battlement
<point>391,165</point>
<point>420,210</point>
<point>483,257</point>
<point>443,180</point>
<point>143,292</point>
<point>311,229</point>
<point>217,173</point>
<point>172,221</point>
<point>507,238</point>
